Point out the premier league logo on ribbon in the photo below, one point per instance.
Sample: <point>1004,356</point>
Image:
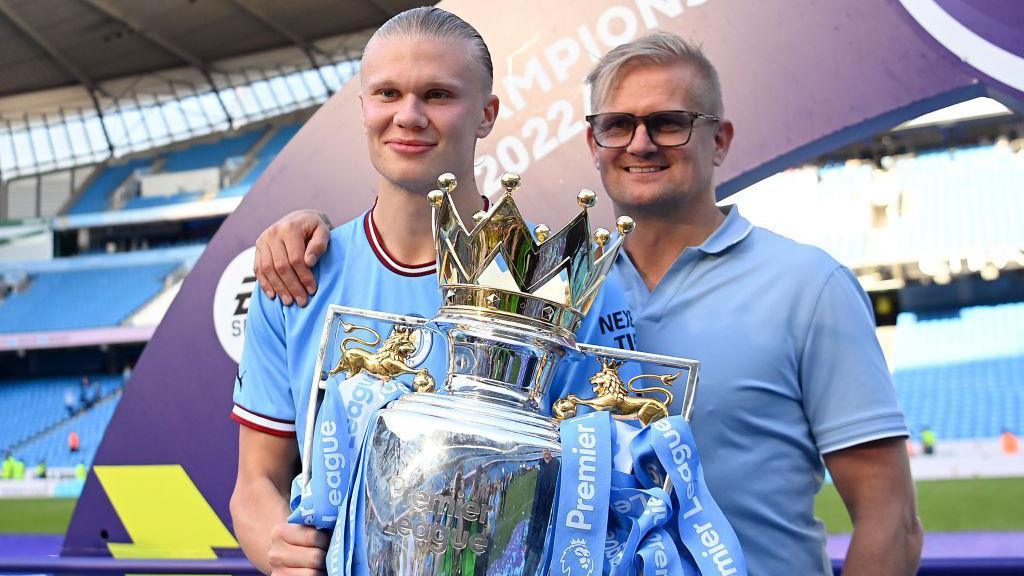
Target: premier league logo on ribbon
<point>576,559</point>
<point>419,475</point>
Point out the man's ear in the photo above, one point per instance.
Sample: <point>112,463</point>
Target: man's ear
<point>723,139</point>
<point>490,117</point>
<point>592,144</point>
<point>362,112</point>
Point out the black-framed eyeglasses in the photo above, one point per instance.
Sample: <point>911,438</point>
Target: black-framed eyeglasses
<point>667,128</point>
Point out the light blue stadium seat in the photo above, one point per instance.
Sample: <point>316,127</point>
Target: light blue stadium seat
<point>154,201</point>
<point>266,155</point>
<point>962,375</point>
<point>31,406</point>
<point>96,198</point>
<point>975,333</point>
<point>950,202</point>
<point>52,447</point>
<point>210,154</point>
<point>977,399</point>
<point>88,298</point>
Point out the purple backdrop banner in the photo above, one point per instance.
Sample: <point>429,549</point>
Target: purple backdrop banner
<point>800,77</point>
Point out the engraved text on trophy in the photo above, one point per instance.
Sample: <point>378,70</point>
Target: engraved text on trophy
<point>438,518</point>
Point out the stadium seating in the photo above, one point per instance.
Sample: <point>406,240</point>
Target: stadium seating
<point>938,204</point>
<point>154,201</point>
<point>210,154</point>
<point>977,399</point>
<point>85,298</point>
<point>975,333</point>
<point>962,375</point>
<point>31,406</point>
<point>206,155</point>
<point>266,155</point>
<point>52,447</point>
<point>96,198</point>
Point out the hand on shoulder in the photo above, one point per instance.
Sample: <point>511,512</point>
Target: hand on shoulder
<point>286,253</point>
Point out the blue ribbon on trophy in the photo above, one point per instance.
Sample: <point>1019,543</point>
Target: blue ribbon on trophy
<point>701,525</point>
<point>461,482</point>
<point>340,412</point>
<point>645,520</point>
<point>583,494</point>
<point>316,495</point>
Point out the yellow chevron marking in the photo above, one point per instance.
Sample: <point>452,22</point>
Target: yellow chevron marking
<point>164,513</point>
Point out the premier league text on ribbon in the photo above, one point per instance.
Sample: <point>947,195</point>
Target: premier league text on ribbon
<point>586,458</point>
<point>713,544</point>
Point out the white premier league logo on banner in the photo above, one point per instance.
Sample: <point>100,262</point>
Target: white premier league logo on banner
<point>576,560</point>
<point>231,302</point>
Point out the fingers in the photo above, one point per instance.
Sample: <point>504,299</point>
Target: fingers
<point>286,252</point>
<point>287,571</point>
<point>298,550</point>
<point>299,281</point>
<point>266,271</point>
<point>261,277</point>
<point>291,287</point>
<point>305,536</point>
<point>295,559</point>
<point>317,245</point>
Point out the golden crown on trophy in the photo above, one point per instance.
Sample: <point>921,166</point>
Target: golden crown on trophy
<point>499,268</point>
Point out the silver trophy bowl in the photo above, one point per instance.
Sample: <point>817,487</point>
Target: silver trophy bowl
<point>464,482</point>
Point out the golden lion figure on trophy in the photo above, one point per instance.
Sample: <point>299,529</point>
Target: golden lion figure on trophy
<point>389,361</point>
<point>614,396</point>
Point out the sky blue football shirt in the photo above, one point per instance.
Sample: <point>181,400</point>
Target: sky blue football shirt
<point>281,342</point>
<point>790,369</point>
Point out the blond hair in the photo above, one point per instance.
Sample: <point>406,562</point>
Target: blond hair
<point>433,22</point>
<point>661,48</point>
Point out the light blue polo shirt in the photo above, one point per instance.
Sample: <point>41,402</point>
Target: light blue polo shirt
<point>790,369</point>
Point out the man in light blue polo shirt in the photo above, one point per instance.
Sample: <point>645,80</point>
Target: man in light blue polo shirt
<point>791,370</point>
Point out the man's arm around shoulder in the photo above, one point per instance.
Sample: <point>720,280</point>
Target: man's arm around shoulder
<point>259,509</point>
<point>874,482</point>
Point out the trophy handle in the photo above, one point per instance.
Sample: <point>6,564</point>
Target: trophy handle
<point>620,398</point>
<point>614,395</point>
<point>387,361</point>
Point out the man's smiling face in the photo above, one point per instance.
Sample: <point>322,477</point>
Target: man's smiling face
<point>644,177</point>
<point>424,104</point>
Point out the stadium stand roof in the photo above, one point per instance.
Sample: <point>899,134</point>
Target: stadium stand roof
<point>48,44</point>
<point>82,81</point>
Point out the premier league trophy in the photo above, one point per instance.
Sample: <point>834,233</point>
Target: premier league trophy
<point>459,477</point>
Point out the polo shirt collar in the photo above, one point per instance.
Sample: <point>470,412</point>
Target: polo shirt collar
<point>730,232</point>
<point>733,230</point>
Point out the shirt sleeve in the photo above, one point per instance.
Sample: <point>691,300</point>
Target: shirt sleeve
<point>609,323</point>
<point>262,398</point>
<point>848,393</point>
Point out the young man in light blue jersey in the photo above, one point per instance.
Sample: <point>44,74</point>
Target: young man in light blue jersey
<point>791,371</point>
<point>426,99</point>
